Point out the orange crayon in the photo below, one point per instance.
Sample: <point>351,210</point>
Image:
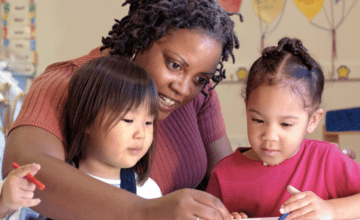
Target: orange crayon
<point>31,178</point>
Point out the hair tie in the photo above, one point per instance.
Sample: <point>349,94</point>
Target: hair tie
<point>296,50</point>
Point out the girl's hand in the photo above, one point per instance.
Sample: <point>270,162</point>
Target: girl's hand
<point>237,215</point>
<point>19,192</point>
<point>307,205</point>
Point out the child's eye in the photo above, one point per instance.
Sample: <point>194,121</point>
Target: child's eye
<point>149,123</point>
<point>286,124</point>
<point>127,120</point>
<point>257,120</point>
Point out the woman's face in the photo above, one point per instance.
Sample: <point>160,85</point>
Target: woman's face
<point>180,64</point>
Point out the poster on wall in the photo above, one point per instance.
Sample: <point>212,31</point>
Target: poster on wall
<point>329,9</point>
<point>18,48</point>
<point>327,16</point>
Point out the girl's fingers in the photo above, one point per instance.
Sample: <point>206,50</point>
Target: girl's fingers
<point>236,215</point>
<point>31,202</point>
<point>20,198</point>
<point>292,190</point>
<point>26,185</point>
<point>301,212</point>
<point>27,194</point>
<point>22,171</point>
<point>295,202</point>
<point>295,197</point>
<point>243,215</point>
<point>27,203</point>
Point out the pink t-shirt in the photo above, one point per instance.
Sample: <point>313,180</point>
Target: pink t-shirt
<point>180,159</point>
<point>245,185</point>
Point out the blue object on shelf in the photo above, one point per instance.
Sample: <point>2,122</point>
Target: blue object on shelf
<point>343,120</point>
<point>6,42</point>
<point>32,45</point>
<point>22,80</point>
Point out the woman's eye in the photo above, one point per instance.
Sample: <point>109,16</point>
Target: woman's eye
<point>202,80</point>
<point>173,65</point>
<point>127,120</point>
<point>257,120</point>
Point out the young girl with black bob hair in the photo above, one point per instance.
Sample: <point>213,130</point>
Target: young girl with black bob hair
<point>112,104</point>
<point>110,125</point>
<point>282,97</point>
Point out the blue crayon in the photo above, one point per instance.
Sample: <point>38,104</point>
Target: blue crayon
<point>282,217</point>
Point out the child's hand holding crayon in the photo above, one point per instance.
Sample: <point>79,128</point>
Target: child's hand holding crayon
<point>19,192</point>
<point>307,205</point>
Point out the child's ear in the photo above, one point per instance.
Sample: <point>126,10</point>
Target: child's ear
<point>314,120</point>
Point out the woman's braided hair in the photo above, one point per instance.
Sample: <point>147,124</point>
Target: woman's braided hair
<point>149,20</point>
<point>288,63</point>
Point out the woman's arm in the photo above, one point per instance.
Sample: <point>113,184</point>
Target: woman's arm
<point>71,194</point>
<point>215,151</point>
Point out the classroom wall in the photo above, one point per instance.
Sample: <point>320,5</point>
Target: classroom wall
<point>67,29</point>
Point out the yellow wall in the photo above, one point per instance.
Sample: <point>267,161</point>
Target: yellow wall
<point>68,29</point>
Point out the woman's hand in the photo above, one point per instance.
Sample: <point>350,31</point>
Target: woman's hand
<point>239,215</point>
<point>187,204</point>
<point>19,192</point>
<point>307,205</point>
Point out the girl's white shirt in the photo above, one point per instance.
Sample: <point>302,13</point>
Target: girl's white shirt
<point>149,190</point>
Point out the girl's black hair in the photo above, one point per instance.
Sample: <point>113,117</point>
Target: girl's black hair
<point>107,87</point>
<point>289,62</point>
<point>149,20</point>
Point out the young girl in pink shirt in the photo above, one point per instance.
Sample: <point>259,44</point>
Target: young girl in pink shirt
<point>283,172</point>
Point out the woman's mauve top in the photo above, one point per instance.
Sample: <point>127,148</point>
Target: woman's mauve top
<point>180,160</point>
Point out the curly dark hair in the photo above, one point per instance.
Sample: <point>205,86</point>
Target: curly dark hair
<point>289,63</point>
<point>149,20</point>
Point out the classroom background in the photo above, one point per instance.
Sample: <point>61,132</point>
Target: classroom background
<point>67,29</point>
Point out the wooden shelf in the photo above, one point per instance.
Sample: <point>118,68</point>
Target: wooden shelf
<point>343,80</point>
<point>326,80</point>
<point>332,136</point>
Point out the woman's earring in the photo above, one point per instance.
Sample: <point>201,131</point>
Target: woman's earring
<point>134,55</point>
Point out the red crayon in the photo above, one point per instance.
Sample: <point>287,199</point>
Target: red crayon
<point>31,178</point>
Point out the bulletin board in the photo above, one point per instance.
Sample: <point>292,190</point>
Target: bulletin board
<point>18,47</point>
<point>270,13</point>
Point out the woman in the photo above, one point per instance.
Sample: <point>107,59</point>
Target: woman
<point>180,43</point>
